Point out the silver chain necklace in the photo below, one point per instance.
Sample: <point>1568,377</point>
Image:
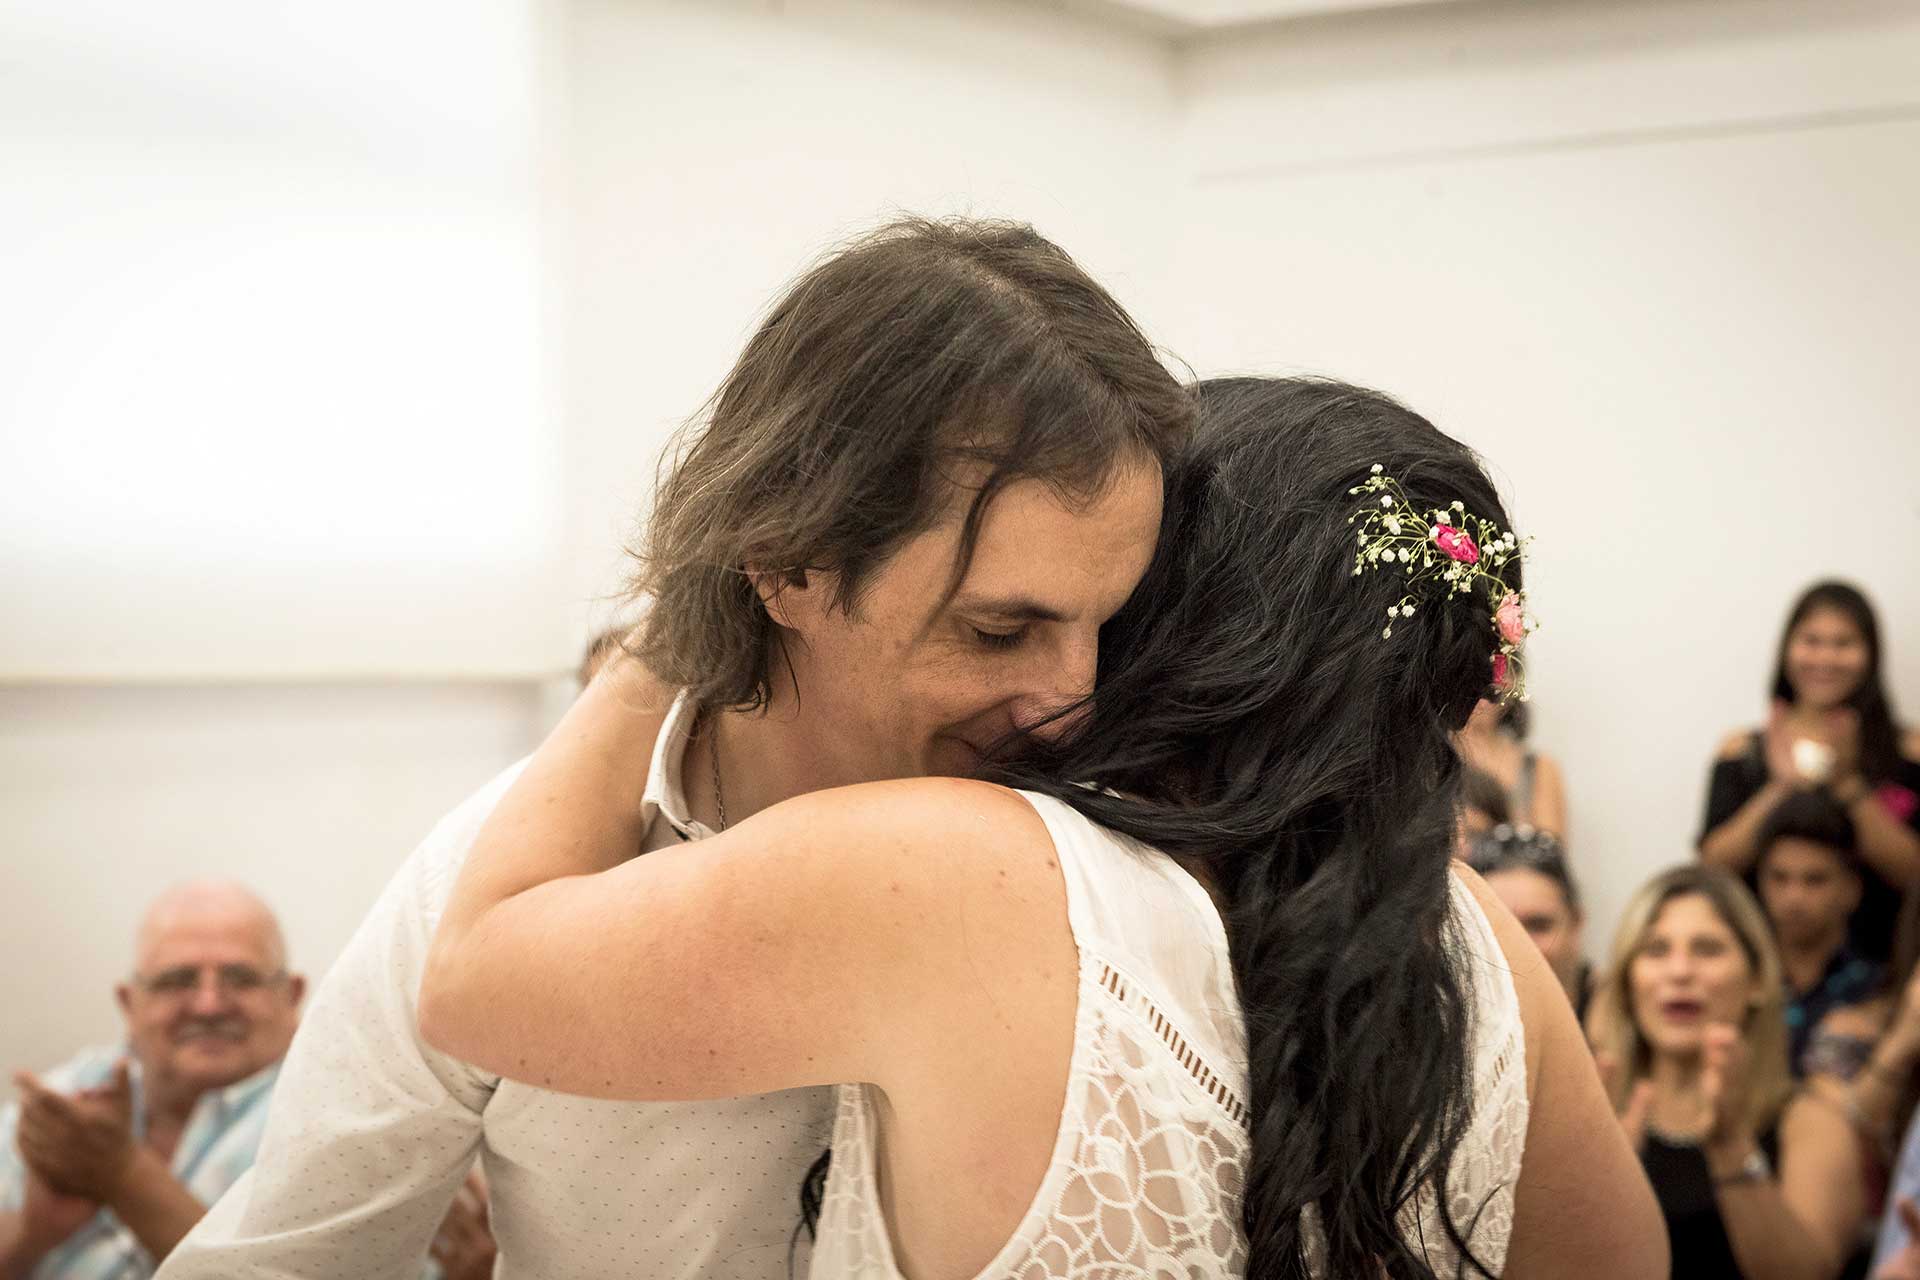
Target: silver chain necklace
<point>713,751</point>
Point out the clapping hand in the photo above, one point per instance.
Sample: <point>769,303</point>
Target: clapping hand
<point>80,1144</point>
<point>1723,1084</point>
<point>1633,1115</point>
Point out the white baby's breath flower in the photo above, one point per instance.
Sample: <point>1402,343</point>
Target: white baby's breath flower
<point>1443,517</point>
<point>1408,611</point>
<point>1386,500</point>
<point>1386,633</point>
<point>1459,506</point>
<point>1393,524</point>
<point>1393,611</point>
<point>1377,468</point>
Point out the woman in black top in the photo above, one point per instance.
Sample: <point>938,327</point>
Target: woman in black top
<point>1832,726</point>
<point>1755,1182</point>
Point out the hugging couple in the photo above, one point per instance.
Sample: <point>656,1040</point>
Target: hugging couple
<point>1015,842</point>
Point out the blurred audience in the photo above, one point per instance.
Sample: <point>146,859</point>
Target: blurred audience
<point>1881,1093</point>
<point>1688,1027</point>
<point>109,1159</point>
<point>1832,728</point>
<point>1810,881</point>
<point>1494,742</point>
<point>1529,872</point>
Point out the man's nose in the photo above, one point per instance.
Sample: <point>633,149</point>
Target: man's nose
<point>210,998</point>
<point>1050,712</point>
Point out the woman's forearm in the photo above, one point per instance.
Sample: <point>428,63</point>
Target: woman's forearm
<point>1733,845</point>
<point>1771,1239</point>
<point>1887,844</point>
<point>577,809</point>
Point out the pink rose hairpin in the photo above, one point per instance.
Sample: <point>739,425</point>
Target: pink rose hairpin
<point>1454,551</point>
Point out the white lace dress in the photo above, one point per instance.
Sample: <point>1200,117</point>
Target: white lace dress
<point>1146,1170</point>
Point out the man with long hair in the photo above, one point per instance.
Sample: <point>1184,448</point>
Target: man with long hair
<point>889,546</point>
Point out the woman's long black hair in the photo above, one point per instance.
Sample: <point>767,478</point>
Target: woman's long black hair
<point>1879,731</point>
<point>1251,717</point>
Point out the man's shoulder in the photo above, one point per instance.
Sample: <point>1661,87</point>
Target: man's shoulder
<point>436,862</point>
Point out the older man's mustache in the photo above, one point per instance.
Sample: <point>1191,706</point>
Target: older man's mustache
<point>226,1028</point>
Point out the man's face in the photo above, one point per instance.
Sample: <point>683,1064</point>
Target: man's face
<point>913,685</point>
<point>210,1002</point>
<point>1808,890</point>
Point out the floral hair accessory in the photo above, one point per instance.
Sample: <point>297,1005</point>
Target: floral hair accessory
<point>1445,552</point>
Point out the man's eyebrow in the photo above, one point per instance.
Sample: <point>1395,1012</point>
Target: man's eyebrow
<point>1008,608</point>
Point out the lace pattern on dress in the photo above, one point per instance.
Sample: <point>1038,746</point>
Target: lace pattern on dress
<point>1147,1168</point>
<point>1145,1175</point>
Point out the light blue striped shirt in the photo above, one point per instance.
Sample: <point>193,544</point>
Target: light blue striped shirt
<point>217,1146</point>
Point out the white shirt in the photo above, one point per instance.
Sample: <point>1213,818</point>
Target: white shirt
<point>1152,1145</point>
<point>371,1131</point>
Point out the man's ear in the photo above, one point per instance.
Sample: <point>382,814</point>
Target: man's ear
<point>788,595</point>
<point>296,989</point>
<point>123,993</point>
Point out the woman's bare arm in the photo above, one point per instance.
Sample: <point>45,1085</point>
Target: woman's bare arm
<point>1801,1224</point>
<point>803,946</point>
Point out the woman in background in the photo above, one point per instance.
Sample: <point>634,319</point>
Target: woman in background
<point>1832,726</point>
<point>1528,872</point>
<point>1495,743</point>
<point>1755,1182</point>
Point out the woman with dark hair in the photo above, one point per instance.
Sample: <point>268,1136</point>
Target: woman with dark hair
<point>1832,726</point>
<point>1219,1005</point>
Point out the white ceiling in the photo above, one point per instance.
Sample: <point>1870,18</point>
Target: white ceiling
<point>1208,17</point>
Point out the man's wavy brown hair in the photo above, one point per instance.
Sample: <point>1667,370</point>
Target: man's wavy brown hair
<point>924,351</point>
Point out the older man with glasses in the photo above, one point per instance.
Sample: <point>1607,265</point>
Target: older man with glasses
<point>109,1159</point>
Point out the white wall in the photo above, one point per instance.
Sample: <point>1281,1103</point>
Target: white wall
<point>276,399</point>
<point>1657,263</point>
<point>310,793</point>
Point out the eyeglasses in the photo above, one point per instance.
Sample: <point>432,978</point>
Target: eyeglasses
<point>231,979</point>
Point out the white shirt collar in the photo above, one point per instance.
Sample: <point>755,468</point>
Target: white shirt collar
<point>664,792</point>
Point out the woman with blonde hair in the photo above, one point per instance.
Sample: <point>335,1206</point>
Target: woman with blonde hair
<point>1755,1181</point>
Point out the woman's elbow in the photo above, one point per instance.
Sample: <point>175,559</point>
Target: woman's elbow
<point>443,1011</point>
